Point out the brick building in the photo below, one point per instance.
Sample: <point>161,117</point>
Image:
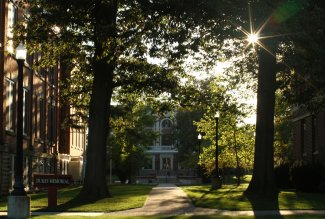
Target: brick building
<point>309,136</point>
<point>47,148</point>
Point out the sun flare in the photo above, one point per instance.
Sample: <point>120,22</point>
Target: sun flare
<point>252,38</point>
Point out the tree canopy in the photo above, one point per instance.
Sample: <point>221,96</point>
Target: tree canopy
<point>109,42</point>
<point>140,46</point>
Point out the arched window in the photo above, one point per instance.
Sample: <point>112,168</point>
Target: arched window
<point>166,132</point>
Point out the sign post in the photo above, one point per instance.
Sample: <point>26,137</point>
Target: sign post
<point>52,182</point>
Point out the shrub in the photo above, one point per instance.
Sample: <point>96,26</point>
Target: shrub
<point>306,177</point>
<point>282,176</point>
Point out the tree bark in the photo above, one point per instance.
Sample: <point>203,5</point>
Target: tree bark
<point>262,182</point>
<point>95,183</point>
<point>237,158</point>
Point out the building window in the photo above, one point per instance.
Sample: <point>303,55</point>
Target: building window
<point>36,125</point>
<point>51,75</point>
<point>12,20</point>
<point>41,118</point>
<point>25,111</point>
<point>10,105</point>
<point>51,124</point>
<point>50,121</point>
<point>166,133</point>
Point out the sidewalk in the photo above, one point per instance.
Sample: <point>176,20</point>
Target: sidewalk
<point>168,199</point>
<point>165,199</point>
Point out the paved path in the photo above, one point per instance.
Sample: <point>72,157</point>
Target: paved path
<point>168,199</point>
<point>165,199</point>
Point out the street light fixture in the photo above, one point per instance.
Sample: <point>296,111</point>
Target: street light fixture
<point>199,137</point>
<point>18,201</point>
<point>216,181</point>
<point>21,53</point>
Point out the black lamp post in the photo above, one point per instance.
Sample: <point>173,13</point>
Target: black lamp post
<point>199,138</point>
<point>216,181</point>
<point>19,190</point>
<point>18,201</point>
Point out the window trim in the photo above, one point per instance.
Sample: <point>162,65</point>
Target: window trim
<point>10,114</point>
<point>26,106</point>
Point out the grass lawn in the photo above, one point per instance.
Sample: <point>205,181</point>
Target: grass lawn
<point>230,197</point>
<point>123,197</point>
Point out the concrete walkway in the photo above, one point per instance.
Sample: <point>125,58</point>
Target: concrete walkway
<point>165,199</point>
<point>168,199</point>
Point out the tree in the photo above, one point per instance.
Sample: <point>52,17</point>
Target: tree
<point>262,182</point>
<point>303,54</point>
<point>283,135</point>
<point>109,40</point>
<point>186,137</point>
<point>283,17</point>
<point>131,134</point>
<point>238,143</point>
<point>211,97</point>
<point>114,39</point>
<point>89,30</point>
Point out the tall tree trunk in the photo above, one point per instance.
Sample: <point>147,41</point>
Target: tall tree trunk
<point>95,183</point>
<point>262,182</point>
<point>237,158</point>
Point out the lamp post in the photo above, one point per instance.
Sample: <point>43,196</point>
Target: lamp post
<point>19,185</point>
<point>199,138</point>
<point>18,201</point>
<point>216,181</point>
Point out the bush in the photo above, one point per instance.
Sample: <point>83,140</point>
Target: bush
<point>282,176</point>
<point>306,177</point>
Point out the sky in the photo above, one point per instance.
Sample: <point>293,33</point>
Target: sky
<point>249,97</point>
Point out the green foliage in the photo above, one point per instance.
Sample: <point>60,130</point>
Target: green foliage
<point>131,134</point>
<point>147,45</point>
<point>303,53</point>
<point>283,134</point>
<point>111,43</point>
<point>187,137</point>
<point>234,137</point>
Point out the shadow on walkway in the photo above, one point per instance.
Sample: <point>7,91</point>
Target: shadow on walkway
<point>267,203</point>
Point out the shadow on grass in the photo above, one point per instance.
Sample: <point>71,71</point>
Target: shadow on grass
<point>75,202</point>
<point>265,206</point>
<point>205,193</point>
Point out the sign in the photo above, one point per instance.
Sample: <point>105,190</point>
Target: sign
<point>55,180</point>
<point>52,182</point>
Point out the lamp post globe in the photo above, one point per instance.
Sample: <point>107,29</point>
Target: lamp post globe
<point>21,52</point>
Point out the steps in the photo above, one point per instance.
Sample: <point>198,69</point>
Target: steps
<point>167,179</point>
